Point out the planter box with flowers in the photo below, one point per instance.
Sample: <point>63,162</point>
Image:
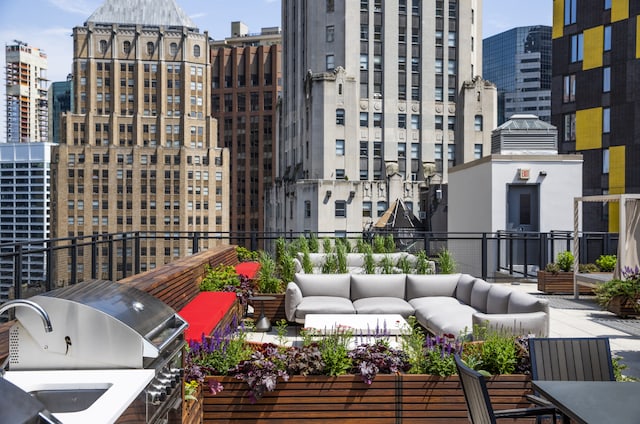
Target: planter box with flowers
<point>621,296</point>
<point>326,378</point>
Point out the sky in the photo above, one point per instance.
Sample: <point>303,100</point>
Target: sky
<point>50,22</point>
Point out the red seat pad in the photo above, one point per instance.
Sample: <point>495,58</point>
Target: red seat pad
<point>204,312</point>
<point>249,269</point>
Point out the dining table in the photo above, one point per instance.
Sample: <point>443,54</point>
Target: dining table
<point>593,402</point>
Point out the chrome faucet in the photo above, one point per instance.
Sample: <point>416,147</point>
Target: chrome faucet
<point>32,305</point>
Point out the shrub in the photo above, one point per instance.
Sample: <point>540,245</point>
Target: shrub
<point>389,244</point>
<point>307,265</point>
<point>628,287</point>
<point>266,281</point>
<point>281,247</point>
<point>217,278</point>
<point>606,263</point>
<point>314,245</point>
<point>341,257</point>
<point>378,244</point>
<point>586,268</point>
<point>369,262</point>
<point>302,245</point>
<point>330,265</point>
<point>446,263</point>
<point>386,263</point>
<point>326,245</point>
<point>287,266</point>
<point>361,245</point>
<point>404,265</point>
<point>245,255</point>
<point>422,263</point>
<point>565,261</point>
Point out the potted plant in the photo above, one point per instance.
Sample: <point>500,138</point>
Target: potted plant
<point>621,296</point>
<point>557,277</point>
<point>269,282</point>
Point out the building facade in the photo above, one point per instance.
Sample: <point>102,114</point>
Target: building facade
<point>26,95</point>
<point>246,80</point>
<point>25,176</point>
<point>373,89</point>
<point>60,101</point>
<point>518,62</point>
<point>139,151</point>
<point>596,52</point>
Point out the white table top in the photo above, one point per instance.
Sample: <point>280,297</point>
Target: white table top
<point>359,324</point>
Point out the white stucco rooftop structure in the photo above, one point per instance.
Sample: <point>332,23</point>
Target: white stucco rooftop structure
<point>141,12</point>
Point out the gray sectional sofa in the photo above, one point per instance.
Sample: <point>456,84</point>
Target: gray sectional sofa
<point>442,303</point>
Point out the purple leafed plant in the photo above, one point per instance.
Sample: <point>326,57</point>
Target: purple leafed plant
<point>371,359</point>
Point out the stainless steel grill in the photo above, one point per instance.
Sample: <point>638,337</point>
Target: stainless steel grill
<point>106,325</point>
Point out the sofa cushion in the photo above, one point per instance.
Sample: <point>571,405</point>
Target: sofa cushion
<point>457,321</point>
<point>383,305</point>
<point>498,299</point>
<point>324,305</point>
<point>532,323</point>
<point>385,285</point>
<point>520,302</point>
<point>355,260</point>
<point>337,285</point>
<point>463,290</point>
<point>479,294</point>
<point>431,285</point>
<point>426,307</point>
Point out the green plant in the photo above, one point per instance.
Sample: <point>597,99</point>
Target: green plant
<point>499,353</point>
<point>266,280</point>
<point>552,267</point>
<point>446,263</point>
<point>628,287</point>
<point>190,389</point>
<point>369,262</point>
<point>334,348</point>
<point>245,255</point>
<point>361,245</point>
<point>314,245</point>
<point>282,329</point>
<point>386,263</point>
<point>413,344</point>
<point>301,245</point>
<point>281,247</point>
<point>307,265</point>
<point>587,268</point>
<point>389,244</point>
<point>341,258</point>
<point>422,263</point>
<point>606,263</point>
<point>216,279</point>
<point>327,247</point>
<point>404,265</point>
<point>565,261</point>
<point>378,244</point>
<point>287,266</point>
<point>330,265</point>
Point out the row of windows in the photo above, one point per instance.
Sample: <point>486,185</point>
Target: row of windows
<point>577,44</point>
<point>570,124</point>
<point>103,46</point>
<point>571,10</point>
<point>569,85</point>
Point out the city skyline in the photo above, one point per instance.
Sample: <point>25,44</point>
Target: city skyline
<point>51,23</point>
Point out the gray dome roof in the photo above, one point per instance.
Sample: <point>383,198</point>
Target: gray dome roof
<point>141,12</point>
<point>525,122</point>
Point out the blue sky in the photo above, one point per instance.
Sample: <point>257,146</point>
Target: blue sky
<point>51,22</point>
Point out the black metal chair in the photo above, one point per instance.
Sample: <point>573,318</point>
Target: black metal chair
<point>571,359</point>
<point>479,404</point>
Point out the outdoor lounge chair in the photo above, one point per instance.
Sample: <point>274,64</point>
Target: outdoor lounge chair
<point>479,404</point>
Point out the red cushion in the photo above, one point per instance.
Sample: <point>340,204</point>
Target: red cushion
<point>204,312</point>
<point>249,269</point>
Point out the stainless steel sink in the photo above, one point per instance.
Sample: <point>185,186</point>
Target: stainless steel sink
<point>67,400</point>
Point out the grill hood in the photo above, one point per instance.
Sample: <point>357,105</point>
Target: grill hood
<point>96,324</point>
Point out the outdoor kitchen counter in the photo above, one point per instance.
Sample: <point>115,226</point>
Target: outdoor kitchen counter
<point>123,388</point>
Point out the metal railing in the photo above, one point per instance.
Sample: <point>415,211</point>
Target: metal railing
<point>116,256</point>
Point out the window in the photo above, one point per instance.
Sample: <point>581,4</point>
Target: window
<point>126,47</point>
<point>364,32</point>
<point>330,59</point>
<point>415,122</point>
<point>437,94</point>
<point>576,48</point>
<point>364,119</point>
<point>451,123</point>
<point>150,48</point>
<point>477,123</point>
<point>477,151</point>
<point>330,5</point>
<point>364,62</point>
<point>402,120</point>
<point>402,150</point>
<point>173,49</point>
<point>340,174</point>
<point>103,46</point>
<point>439,122</point>
<point>330,33</point>
<point>341,208</point>
<point>570,12</point>
<point>377,120</point>
<point>569,89</point>
<point>196,51</point>
<point>606,79</point>
<point>438,66</point>
<point>451,67</point>
<point>340,147</point>
<point>339,116</point>
<point>570,127</point>
<point>381,207</point>
<point>607,4</point>
<point>606,120</point>
<point>307,209</point>
<point>607,38</point>
<point>605,161</point>
<point>366,209</point>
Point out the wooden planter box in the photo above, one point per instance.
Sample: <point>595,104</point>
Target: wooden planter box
<point>345,399</point>
<point>559,283</point>
<point>273,309</point>
<point>623,307</point>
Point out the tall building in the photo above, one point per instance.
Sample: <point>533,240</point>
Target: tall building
<point>139,150</point>
<point>27,106</point>
<point>375,92</point>
<point>518,62</point>
<point>596,102</point>
<point>246,84</point>
<point>60,101</point>
<point>24,214</point>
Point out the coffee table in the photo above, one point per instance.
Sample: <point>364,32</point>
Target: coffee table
<point>360,324</point>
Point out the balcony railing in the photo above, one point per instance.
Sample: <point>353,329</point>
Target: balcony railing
<point>115,256</point>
